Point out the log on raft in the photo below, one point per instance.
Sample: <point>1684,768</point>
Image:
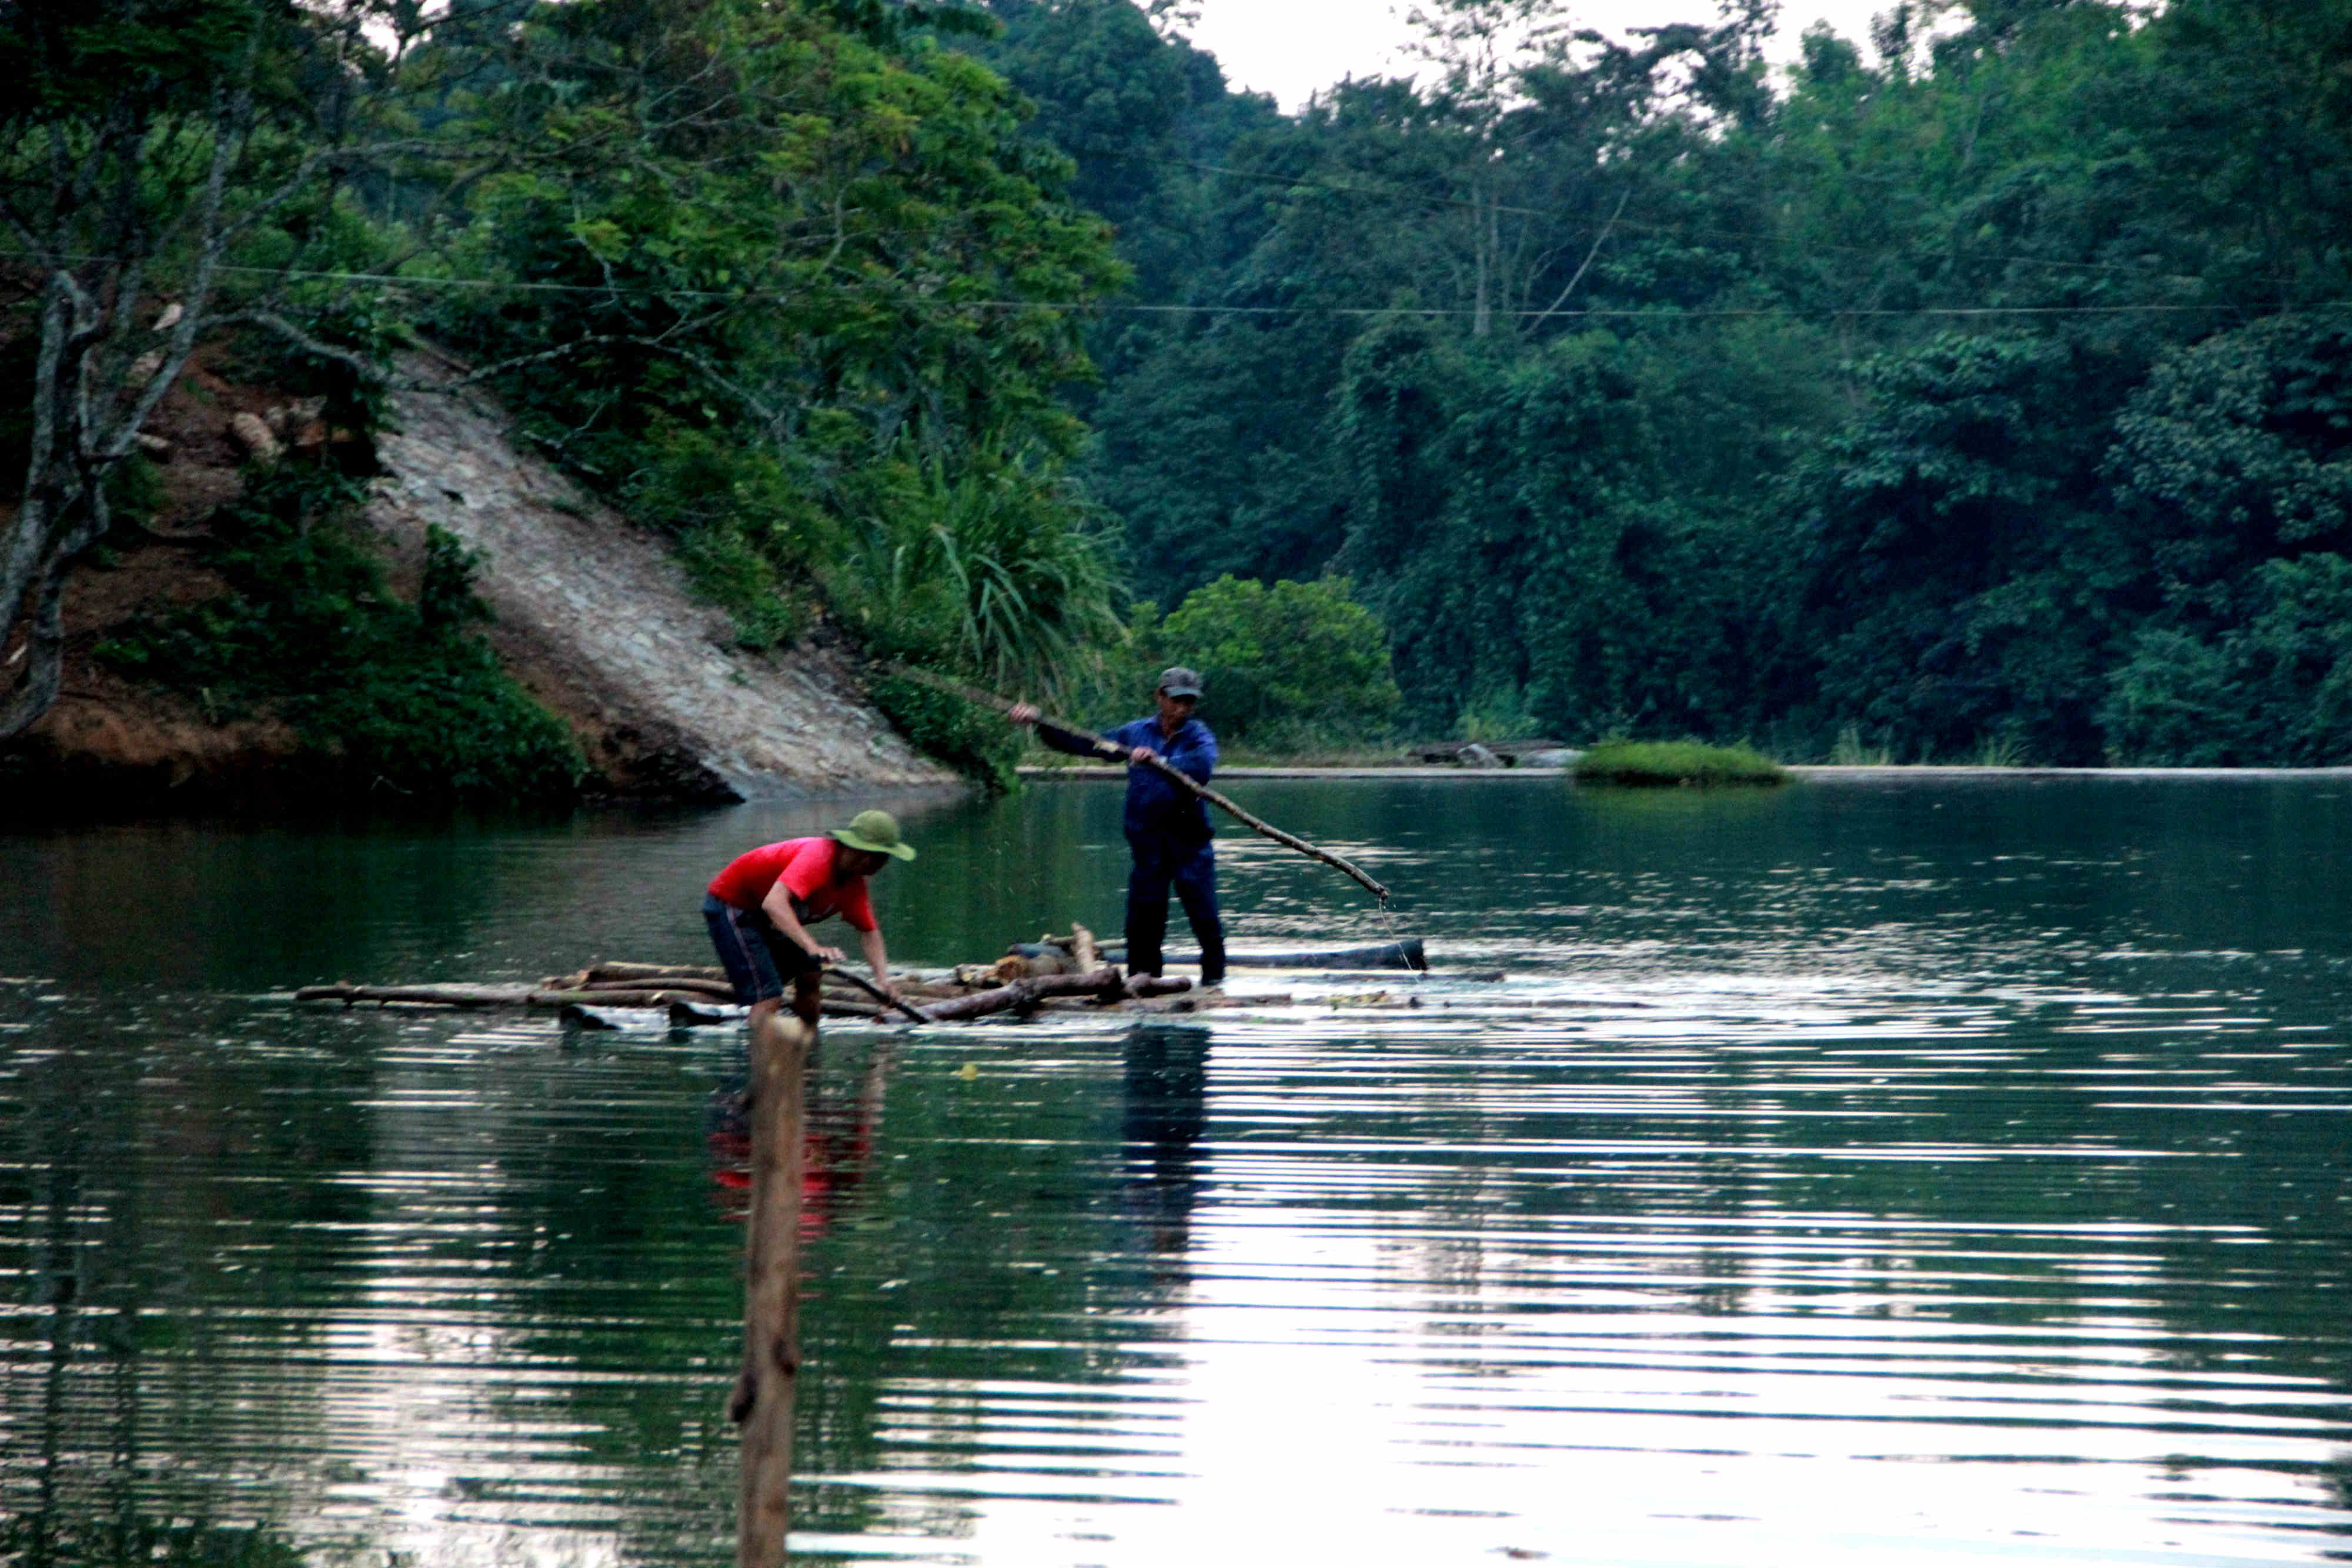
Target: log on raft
<point>1180,1001</point>
<point>1408,953</point>
<point>618,971</point>
<point>719,990</point>
<point>344,991</point>
<point>709,977</point>
<point>1104,985</point>
<point>492,995</point>
<point>615,998</point>
<point>688,1015</point>
<point>524,995</point>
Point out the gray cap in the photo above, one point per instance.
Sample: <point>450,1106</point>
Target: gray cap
<point>1179,681</point>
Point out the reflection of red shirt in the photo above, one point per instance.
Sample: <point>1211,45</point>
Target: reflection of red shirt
<point>805,868</point>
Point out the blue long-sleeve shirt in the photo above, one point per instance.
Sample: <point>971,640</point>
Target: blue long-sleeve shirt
<point>1155,807</point>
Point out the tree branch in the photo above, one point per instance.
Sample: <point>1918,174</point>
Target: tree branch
<point>371,368</point>
<point>1579,278</point>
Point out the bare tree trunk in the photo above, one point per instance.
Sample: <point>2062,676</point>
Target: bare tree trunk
<point>1482,308</point>
<point>762,1405</point>
<point>43,657</point>
<point>91,229</point>
<point>32,574</point>
<point>81,429</point>
<point>34,601</point>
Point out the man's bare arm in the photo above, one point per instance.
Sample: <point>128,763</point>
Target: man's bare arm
<point>779,907</point>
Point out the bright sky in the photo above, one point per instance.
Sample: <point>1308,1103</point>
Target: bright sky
<point>1291,47</point>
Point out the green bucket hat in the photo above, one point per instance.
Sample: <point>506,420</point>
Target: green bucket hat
<point>876,832</point>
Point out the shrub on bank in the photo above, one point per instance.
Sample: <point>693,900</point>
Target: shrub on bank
<point>385,695</point>
<point>1662,762</point>
<point>1292,667</point>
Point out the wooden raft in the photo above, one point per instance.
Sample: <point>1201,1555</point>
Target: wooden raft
<point>1055,975</point>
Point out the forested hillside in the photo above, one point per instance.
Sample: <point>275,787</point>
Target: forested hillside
<point>787,282</point>
<point>1977,389</point>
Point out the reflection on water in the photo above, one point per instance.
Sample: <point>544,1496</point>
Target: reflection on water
<point>1166,1112</point>
<point>1843,1174</point>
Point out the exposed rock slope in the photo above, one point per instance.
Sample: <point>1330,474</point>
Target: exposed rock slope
<point>596,620</point>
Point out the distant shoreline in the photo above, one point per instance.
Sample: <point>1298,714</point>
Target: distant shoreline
<point>1827,771</point>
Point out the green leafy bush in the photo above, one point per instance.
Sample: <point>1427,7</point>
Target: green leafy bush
<point>745,533</point>
<point>973,740</point>
<point>2276,689</point>
<point>1290,665</point>
<point>1653,762</point>
<point>386,693</point>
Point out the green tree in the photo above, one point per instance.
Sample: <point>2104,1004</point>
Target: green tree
<point>1961,574</point>
<point>1288,665</point>
<point>386,695</point>
<point>2274,689</point>
<point>168,170</point>
<point>815,296</point>
<point>2230,462</point>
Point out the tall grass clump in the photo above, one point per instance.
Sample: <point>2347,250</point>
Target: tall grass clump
<point>1849,751</point>
<point>1676,762</point>
<point>991,575</point>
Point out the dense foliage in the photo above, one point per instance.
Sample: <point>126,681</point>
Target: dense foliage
<point>188,151</point>
<point>783,279</point>
<point>1292,665</point>
<point>1979,391</point>
<point>813,297</point>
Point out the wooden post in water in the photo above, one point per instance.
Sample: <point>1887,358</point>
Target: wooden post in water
<point>762,1405</point>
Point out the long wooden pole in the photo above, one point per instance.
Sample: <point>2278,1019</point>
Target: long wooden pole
<point>1111,749</point>
<point>877,993</point>
<point>762,1405</point>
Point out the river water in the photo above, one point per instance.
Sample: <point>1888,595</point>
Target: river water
<point>1850,1174</point>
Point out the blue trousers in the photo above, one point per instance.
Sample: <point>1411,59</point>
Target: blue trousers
<point>761,961</point>
<point>1159,862</point>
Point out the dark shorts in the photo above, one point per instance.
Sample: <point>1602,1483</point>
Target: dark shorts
<point>760,960</point>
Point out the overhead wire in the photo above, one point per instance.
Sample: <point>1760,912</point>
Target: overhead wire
<point>1436,199</point>
<point>1663,315</point>
<point>1432,312</point>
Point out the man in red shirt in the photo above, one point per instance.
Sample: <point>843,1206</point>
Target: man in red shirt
<point>759,909</point>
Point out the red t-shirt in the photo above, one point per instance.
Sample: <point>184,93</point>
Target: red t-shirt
<point>805,868</point>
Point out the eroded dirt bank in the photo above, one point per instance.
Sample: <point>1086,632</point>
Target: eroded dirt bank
<point>594,618</point>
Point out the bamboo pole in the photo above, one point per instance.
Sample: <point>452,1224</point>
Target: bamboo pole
<point>765,1391</point>
<point>1111,749</point>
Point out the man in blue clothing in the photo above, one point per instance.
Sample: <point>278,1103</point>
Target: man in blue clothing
<point>1166,827</point>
